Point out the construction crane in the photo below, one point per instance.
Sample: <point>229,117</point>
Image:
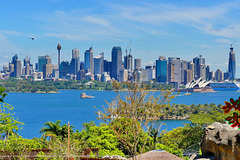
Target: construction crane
<point>129,47</point>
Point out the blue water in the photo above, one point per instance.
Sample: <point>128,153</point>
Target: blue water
<point>36,109</point>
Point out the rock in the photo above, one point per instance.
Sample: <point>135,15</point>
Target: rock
<point>221,142</point>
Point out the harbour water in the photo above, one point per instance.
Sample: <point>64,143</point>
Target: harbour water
<point>36,109</point>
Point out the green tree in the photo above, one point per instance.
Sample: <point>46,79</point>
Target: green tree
<point>53,130</point>
<point>139,107</point>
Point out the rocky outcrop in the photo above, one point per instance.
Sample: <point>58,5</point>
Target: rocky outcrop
<point>221,142</point>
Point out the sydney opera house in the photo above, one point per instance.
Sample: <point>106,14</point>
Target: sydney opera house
<point>198,85</point>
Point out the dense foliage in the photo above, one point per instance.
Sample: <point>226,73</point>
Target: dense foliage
<point>30,86</point>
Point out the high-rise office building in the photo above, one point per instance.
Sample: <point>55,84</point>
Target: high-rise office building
<point>188,76</point>
<point>128,62</point>
<point>202,71</point>
<point>184,66</point>
<point>28,67</point>
<point>218,75</point>
<point>75,62</point>
<point>197,62</point>
<point>207,73</point>
<point>174,69</point>
<point>98,64</point>
<point>107,66</point>
<point>116,62</point>
<point>191,66</point>
<point>75,53</point>
<point>17,68</point>
<point>88,60</point>
<point>42,60</point>
<point>161,69</point>
<point>231,64</point>
<point>63,69</point>
<point>137,64</point>
<point>47,70</point>
<point>123,75</point>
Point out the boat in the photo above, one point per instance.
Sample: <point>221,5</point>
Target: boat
<point>225,86</point>
<point>84,95</point>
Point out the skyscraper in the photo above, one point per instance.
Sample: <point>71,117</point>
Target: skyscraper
<point>174,69</point>
<point>17,68</point>
<point>218,75</point>
<point>184,66</point>
<point>63,69</point>
<point>98,64</point>
<point>128,62</point>
<point>88,60</point>
<point>137,64</point>
<point>231,64</point>
<point>116,62</point>
<point>197,62</point>
<point>161,69</point>
<point>75,62</point>
<point>42,60</point>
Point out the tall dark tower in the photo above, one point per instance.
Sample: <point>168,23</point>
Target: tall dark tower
<point>231,64</point>
<point>59,48</point>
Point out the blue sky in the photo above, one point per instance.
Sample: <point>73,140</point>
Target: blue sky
<point>172,28</point>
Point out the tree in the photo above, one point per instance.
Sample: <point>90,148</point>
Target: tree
<point>139,108</point>
<point>8,124</point>
<point>52,129</point>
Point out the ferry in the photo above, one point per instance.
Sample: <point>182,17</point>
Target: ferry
<point>225,86</point>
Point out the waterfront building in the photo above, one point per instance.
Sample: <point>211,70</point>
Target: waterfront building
<point>184,66</point>
<point>137,64</point>
<point>145,76</point>
<point>161,69</point>
<point>218,75</point>
<point>174,69</point>
<point>63,69</point>
<point>231,64</point>
<point>88,60</point>
<point>98,64</point>
<point>116,62</point>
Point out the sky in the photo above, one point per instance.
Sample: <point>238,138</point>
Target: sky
<point>172,28</point>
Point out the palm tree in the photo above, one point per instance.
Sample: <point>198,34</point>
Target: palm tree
<point>52,130</point>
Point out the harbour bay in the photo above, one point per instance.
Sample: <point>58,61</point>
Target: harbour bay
<point>36,109</point>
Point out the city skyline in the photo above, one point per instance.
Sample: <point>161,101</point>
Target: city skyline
<point>172,29</point>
